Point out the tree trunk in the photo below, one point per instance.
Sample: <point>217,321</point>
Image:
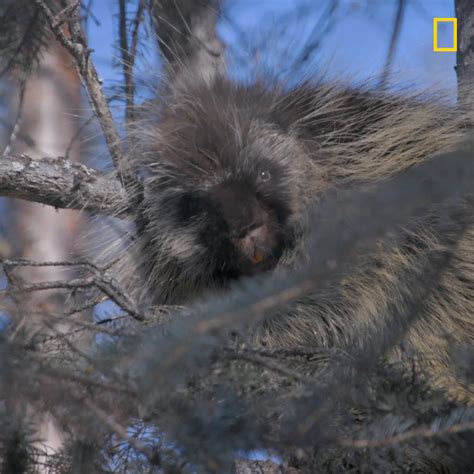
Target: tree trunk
<point>52,101</point>
<point>188,37</point>
<point>465,53</point>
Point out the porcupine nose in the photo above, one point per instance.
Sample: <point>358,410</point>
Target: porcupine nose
<point>257,244</point>
<point>248,224</point>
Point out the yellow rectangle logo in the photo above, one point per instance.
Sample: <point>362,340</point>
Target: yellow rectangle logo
<point>454,21</point>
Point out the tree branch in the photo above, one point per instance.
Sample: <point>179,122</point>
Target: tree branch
<point>129,52</point>
<point>187,34</point>
<point>78,49</point>
<point>98,279</point>
<point>62,184</point>
<point>397,26</point>
<point>421,432</point>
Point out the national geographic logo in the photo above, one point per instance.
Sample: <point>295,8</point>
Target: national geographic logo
<point>448,49</point>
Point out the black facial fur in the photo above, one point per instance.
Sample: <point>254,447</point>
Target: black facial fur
<point>230,211</point>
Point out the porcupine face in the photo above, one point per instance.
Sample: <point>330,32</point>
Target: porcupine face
<point>222,191</point>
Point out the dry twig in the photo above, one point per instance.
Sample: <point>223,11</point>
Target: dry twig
<point>78,48</point>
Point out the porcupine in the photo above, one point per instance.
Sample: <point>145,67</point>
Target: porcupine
<point>231,171</point>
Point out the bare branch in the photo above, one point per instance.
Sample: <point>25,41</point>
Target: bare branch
<point>129,51</point>
<point>422,432</point>
<point>263,362</point>
<point>393,43</point>
<point>187,34</point>
<point>18,119</point>
<point>320,31</point>
<point>77,135</point>
<point>109,420</point>
<point>78,49</point>
<point>62,184</point>
<point>99,279</point>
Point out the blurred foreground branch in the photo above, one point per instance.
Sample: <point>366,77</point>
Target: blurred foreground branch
<point>195,379</point>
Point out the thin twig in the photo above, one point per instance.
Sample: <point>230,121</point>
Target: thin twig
<point>320,31</point>
<point>129,53</point>
<point>255,359</point>
<point>89,14</point>
<point>17,123</point>
<point>136,26</point>
<point>82,326</point>
<point>397,26</point>
<point>99,279</point>
<point>76,135</point>
<point>78,49</point>
<point>423,432</point>
<point>121,431</point>
<point>61,16</point>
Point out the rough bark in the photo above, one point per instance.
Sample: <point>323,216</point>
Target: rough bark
<point>62,184</point>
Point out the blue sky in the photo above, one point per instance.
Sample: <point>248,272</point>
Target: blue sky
<point>355,48</point>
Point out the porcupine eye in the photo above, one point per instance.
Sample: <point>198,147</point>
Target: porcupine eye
<point>264,176</point>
